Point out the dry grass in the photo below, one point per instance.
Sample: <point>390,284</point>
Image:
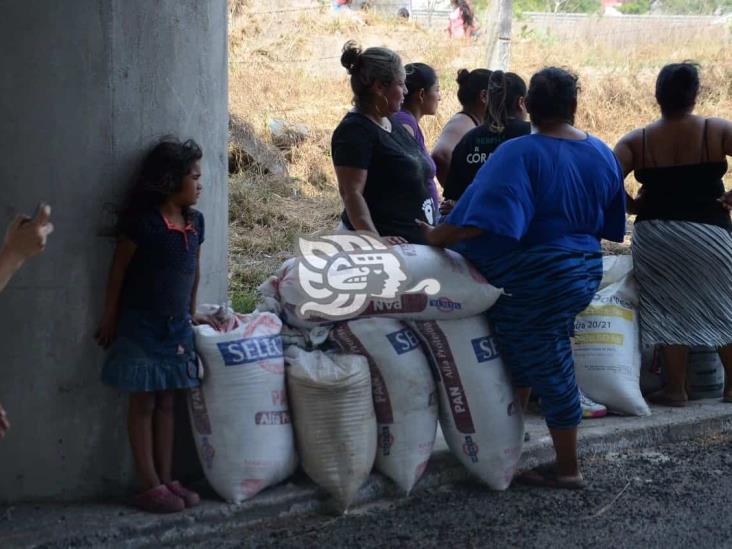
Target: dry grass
<point>286,66</point>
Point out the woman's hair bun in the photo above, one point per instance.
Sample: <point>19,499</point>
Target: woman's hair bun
<point>677,87</point>
<point>496,80</point>
<point>687,73</point>
<point>351,56</point>
<point>463,76</point>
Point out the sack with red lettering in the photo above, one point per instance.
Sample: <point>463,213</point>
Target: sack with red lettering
<point>480,415</point>
<point>240,416</point>
<point>334,419</point>
<point>429,284</point>
<point>404,394</point>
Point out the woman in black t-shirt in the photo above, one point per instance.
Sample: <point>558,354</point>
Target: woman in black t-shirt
<point>380,168</point>
<point>505,119</point>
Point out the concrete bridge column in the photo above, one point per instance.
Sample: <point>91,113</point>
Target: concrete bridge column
<point>85,87</point>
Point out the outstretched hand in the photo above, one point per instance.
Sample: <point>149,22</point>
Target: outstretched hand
<point>394,240</point>
<point>726,200</point>
<point>446,206</point>
<point>27,237</point>
<point>426,229</point>
<point>107,330</point>
<point>4,423</point>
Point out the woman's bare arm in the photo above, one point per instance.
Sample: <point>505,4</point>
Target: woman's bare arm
<point>445,235</point>
<point>351,185</point>
<point>726,199</point>
<point>624,152</point>
<point>727,137</point>
<point>451,135</point>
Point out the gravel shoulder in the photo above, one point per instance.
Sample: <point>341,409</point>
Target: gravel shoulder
<point>673,495</point>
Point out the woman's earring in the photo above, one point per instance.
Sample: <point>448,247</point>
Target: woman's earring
<point>383,111</point>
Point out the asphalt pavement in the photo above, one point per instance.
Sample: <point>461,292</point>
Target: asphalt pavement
<point>648,487</point>
<point>670,495</point>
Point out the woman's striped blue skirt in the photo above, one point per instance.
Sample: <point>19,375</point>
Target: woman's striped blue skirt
<point>546,288</point>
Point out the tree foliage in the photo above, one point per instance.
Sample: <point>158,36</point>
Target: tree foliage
<point>635,7</point>
<point>557,6</point>
<point>630,7</point>
<point>694,7</point>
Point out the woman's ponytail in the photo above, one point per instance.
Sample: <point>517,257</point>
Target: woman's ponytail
<point>504,91</point>
<point>496,114</point>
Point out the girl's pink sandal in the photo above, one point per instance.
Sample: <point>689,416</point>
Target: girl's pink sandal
<point>190,497</point>
<point>159,500</point>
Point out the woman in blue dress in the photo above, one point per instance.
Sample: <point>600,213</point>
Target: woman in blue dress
<point>531,222</point>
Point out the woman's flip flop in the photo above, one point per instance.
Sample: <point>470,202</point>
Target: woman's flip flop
<point>546,477</point>
<point>660,397</point>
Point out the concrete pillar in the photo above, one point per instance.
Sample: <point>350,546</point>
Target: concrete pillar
<point>85,87</point>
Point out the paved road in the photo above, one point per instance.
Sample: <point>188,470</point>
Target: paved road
<point>670,496</point>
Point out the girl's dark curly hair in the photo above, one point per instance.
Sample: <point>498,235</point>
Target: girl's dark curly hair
<point>161,175</point>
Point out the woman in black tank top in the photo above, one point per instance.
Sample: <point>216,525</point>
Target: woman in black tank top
<point>682,241</point>
<point>472,94</point>
<point>683,192</point>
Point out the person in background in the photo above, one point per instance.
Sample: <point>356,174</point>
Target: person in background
<point>461,22</point>
<point>531,223</point>
<point>148,313</point>
<point>380,167</point>
<point>340,5</point>
<point>505,119</point>
<point>24,238</point>
<point>422,98</point>
<point>473,96</point>
<point>682,246</point>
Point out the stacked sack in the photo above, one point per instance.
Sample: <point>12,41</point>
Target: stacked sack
<point>612,366</point>
<point>439,291</point>
<point>404,394</point>
<point>240,414</point>
<point>704,373</point>
<point>367,388</point>
<point>450,287</point>
<point>334,419</point>
<point>607,350</point>
<point>480,415</point>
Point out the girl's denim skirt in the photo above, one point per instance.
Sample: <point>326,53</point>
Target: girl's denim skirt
<point>151,353</point>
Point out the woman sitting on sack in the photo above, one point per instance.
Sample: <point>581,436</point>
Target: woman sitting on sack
<point>531,222</point>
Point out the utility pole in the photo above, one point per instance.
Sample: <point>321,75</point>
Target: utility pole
<point>499,43</point>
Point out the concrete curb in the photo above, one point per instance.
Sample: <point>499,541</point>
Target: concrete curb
<point>52,525</point>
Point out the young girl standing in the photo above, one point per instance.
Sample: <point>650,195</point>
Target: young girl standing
<point>148,313</point>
